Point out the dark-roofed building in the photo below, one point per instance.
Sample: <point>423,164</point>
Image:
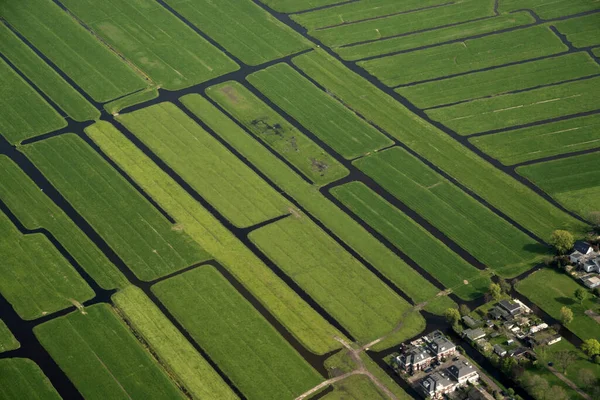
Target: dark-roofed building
<point>414,359</point>
<point>442,347</point>
<point>501,351</point>
<point>582,247</point>
<point>471,322</point>
<point>463,372</point>
<point>510,306</point>
<point>436,385</point>
<point>473,334</point>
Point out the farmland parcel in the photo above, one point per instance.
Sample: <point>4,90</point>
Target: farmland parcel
<point>7,340</point>
<point>21,378</point>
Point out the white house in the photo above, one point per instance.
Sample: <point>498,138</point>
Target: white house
<point>580,251</point>
<point>592,265</point>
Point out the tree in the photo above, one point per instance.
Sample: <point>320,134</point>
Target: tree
<point>564,358</point>
<point>588,378</point>
<point>452,316</point>
<point>495,291</point>
<point>591,347</point>
<point>535,385</point>
<point>581,295</point>
<point>464,310</point>
<point>504,286</point>
<point>558,393</point>
<point>566,315</point>
<point>562,241</point>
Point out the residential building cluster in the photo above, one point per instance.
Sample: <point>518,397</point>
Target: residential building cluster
<point>587,258</point>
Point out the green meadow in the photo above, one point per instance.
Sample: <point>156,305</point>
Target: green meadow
<point>581,32</point>
<point>21,378</point>
<point>290,6</point>
<point>548,10</point>
<point>7,340</point>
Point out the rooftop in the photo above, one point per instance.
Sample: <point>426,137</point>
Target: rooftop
<point>461,369</point>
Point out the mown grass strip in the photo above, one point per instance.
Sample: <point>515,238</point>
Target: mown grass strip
<point>573,181</point>
<point>35,210</point>
<point>236,336</point>
<point>36,279</point>
<point>172,349</point>
<point>407,279</point>
<point>472,54</point>
<point>498,188</point>
<point>581,32</point>
<point>45,78</point>
<point>501,80</point>
<point>220,177</point>
<point>542,141</point>
<point>300,319</point>
<point>442,263</point>
<point>277,133</point>
<point>101,73</point>
<point>243,28</point>
<point>134,229</point>
<point>174,56</point>
<point>290,6</point>
<point>330,121</point>
<point>549,10</point>
<point>7,340</point>
<point>131,100</point>
<point>21,378</point>
<point>102,357</point>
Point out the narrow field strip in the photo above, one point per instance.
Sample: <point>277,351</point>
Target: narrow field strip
<point>155,40</point>
<point>542,141</point>
<point>328,120</point>
<point>173,351</point>
<point>407,279</point>
<point>145,240</point>
<point>292,6</point>
<point>298,317</point>
<point>21,378</point>
<point>45,78</point>
<point>432,255</point>
<point>516,109</point>
<point>35,210</point>
<point>236,336</point>
<point>549,9</point>
<point>573,181</point>
<point>131,100</point>
<point>472,54</point>
<point>357,387</point>
<point>102,357</point>
<point>582,31</point>
<point>496,187</point>
<point>242,28</point>
<point>272,129</point>
<point>7,340</point>
<point>36,278</point>
<point>501,80</point>
<point>223,180</point>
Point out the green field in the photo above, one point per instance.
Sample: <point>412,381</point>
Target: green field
<point>501,80</point>
<point>45,78</point>
<point>583,31</point>
<point>260,362</point>
<point>489,238</point>
<point>573,181</point>
<point>582,362</point>
<point>7,340</point>
<point>21,378</point>
<point>551,290</point>
<point>472,54</point>
<point>134,229</point>
<point>102,357</point>
<point>327,119</point>
<point>277,133</point>
<point>541,141</point>
<point>242,28</point>
<point>357,387</point>
<point>171,348</point>
<point>549,9</point>
<point>413,240</point>
<point>173,56</point>
<point>101,73</point>
<point>289,6</point>
<point>36,279</point>
<point>131,100</point>
<point>220,177</point>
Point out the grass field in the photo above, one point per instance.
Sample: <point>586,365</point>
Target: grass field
<point>7,340</point>
<point>327,119</point>
<point>349,292</point>
<point>499,189</point>
<point>492,240</point>
<point>583,31</point>
<point>548,10</point>
<point>520,108</point>
<point>102,357</point>
<point>299,318</point>
<point>582,362</point>
<point>276,132</point>
<point>242,28</point>
<point>413,284</point>
<point>101,73</point>
<point>541,141</point>
<point>573,181</point>
<point>222,179</point>
<point>408,236</point>
<point>131,100</point>
<point>172,349</point>
<point>134,229</point>
<point>35,210</point>
<point>472,54</point>
<point>45,78</point>
<point>289,6</point>
<point>245,346</point>
<point>36,279</point>
<point>174,56</point>
<point>551,290</point>
<point>356,387</point>
<point>21,378</point>
<point>501,80</point>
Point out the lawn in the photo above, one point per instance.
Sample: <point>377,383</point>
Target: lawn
<point>171,348</point>
<point>574,369</point>
<point>36,279</point>
<point>582,31</point>
<point>356,387</point>
<point>258,360</point>
<point>551,290</point>
<point>146,241</point>
<point>102,357</point>
<point>327,119</point>
<point>21,378</point>
<point>7,340</point>
<point>277,133</point>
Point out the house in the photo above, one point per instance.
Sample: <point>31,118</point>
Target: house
<point>511,307</point>
<point>439,345</point>
<point>499,350</point>
<point>524,308</point>
<point>436,385</point>
<point>591,282</point>
<point>473,334</point>
<point>463,372</point>
<point>498,313</point>
<point>470,322</point>
<point>414,359</point>
<point>591,265</point>
<point>538,328</point>
<point>581,252</point>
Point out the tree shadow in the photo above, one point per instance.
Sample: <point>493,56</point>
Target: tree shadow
<point>567,301</point>
<point>536,248</point>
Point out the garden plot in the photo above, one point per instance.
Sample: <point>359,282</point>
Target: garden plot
<point>21,378</point>
<point>582,31</point>
<point>7,340</point>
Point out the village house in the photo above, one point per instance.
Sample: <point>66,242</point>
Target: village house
<point>513,308</point>
<point>591,282</point>
<point>418,357</point>
<point>440,346</point>
<point>463,373</point>
<point>440,383</point>
<point>473,334</point>
<point>580,251</point>
<point>591,265</point>
<point>414,359</point>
